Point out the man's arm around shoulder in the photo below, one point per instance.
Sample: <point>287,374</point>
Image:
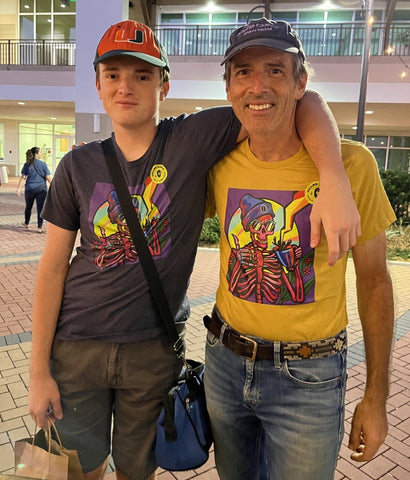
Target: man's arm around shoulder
<point>376,310</point>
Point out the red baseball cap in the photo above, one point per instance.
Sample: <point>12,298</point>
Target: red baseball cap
<point>131,38</point>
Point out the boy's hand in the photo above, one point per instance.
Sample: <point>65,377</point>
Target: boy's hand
<point>335,210</point>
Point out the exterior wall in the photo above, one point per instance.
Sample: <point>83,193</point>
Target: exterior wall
<point>69,92</point>
<point>11,146</point>
<point>8,19</point>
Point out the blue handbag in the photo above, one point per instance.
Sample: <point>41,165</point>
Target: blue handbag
<point>184,434</point>
<point>183,427</point>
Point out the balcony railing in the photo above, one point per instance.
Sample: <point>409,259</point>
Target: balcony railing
<point>325,39</point>
<point>37,52</point>
<point>331,39</point>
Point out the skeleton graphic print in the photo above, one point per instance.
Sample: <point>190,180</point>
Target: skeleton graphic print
<point>113,245</point>
<point>271,261</point>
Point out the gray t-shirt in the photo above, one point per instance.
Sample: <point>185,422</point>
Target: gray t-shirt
<point>106,297</point>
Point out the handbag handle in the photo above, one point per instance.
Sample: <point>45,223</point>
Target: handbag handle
<point>140,243</point>
<point>47,434</point>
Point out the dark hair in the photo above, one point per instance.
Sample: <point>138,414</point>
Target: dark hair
<point>31,155</point>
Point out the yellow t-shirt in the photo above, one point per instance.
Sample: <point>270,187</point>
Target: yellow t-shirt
<point>272,283</point>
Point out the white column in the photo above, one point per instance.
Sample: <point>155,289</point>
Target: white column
<point>93,18</point>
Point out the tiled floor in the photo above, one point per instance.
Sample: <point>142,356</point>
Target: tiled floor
<point>19,253</point>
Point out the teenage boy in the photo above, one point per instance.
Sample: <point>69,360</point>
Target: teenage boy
<point>276,347</point>
<point>100,356</point>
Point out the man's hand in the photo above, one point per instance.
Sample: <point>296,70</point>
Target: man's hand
<point>336,211</point>
<point>44,401</point>
<point>369,430</point>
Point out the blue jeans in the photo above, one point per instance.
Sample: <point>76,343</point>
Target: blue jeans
<point>291,414</point>
<point>39,196</point>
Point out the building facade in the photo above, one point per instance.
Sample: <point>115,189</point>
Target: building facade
<point>47,92</point>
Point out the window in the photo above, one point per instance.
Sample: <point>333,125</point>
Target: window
<point>245,17</point>
<point>47,19</point>
<point>323,32</point>
<point>53,140</point>
<point>169,18</point>
<point>401,142</point>
<point>373,141</point>
<point>43,6</point>
<point>399,160</point>
<point>27,6</point>
<point>401,15</point>
<point>399,153</point>
<point>380,156</point>
<point>197,18</point>
<point>290,17</point>
<point>340,16</point>
<point>223,18</point>
<point>392,153</point>
<point>27,27</point>
<point>378,146</point>
<point>43,27</point>
<point>63,6</point>
<point>310,17</point>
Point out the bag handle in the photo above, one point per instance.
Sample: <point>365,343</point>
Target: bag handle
<point>140,243</point>
<point>51,425</point>
<point>47,434</point>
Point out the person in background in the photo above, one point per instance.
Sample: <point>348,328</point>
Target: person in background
<point>36,175</point>
<point>275,375</point>
<point>100,355</point>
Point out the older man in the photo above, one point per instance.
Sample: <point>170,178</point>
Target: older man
<point>276,346</point>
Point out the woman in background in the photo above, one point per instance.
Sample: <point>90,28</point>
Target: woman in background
<point>36,174</point>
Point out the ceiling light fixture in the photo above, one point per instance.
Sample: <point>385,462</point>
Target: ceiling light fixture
<point>211,7</point>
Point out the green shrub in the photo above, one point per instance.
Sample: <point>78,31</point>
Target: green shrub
<point>210,232</point>
<point>397,186</point>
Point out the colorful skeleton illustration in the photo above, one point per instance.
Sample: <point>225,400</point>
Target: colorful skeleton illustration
<point>256,269</point>
<point>117,248</point>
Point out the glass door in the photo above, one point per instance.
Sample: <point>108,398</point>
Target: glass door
<point>62,144</point>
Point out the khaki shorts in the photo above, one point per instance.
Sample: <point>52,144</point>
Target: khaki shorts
<point>113,388</point>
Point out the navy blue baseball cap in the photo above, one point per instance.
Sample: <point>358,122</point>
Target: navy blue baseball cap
<point>265,33</point>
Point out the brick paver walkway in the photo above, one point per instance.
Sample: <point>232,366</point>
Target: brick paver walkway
<point>19,253</point>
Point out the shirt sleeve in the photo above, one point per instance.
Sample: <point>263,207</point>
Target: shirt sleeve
<point>62,206</point>
<point>376,213</point>
<point>215,129</point>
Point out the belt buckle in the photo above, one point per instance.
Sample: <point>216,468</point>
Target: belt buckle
<point>254,347</point>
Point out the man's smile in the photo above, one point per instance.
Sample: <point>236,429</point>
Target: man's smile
<point>265,106</point>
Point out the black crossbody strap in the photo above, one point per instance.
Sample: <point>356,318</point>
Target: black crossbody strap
<point>138,237</point>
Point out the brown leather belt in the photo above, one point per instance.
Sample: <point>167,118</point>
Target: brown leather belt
<point>252,350</point>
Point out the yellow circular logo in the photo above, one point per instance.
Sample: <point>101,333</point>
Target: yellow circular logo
<point>158,173</point>
<point>312,191</point>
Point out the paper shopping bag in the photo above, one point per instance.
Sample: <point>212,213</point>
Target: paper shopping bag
<point>75,471</point>
<point>44,458</point>
<point>36,462</point>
